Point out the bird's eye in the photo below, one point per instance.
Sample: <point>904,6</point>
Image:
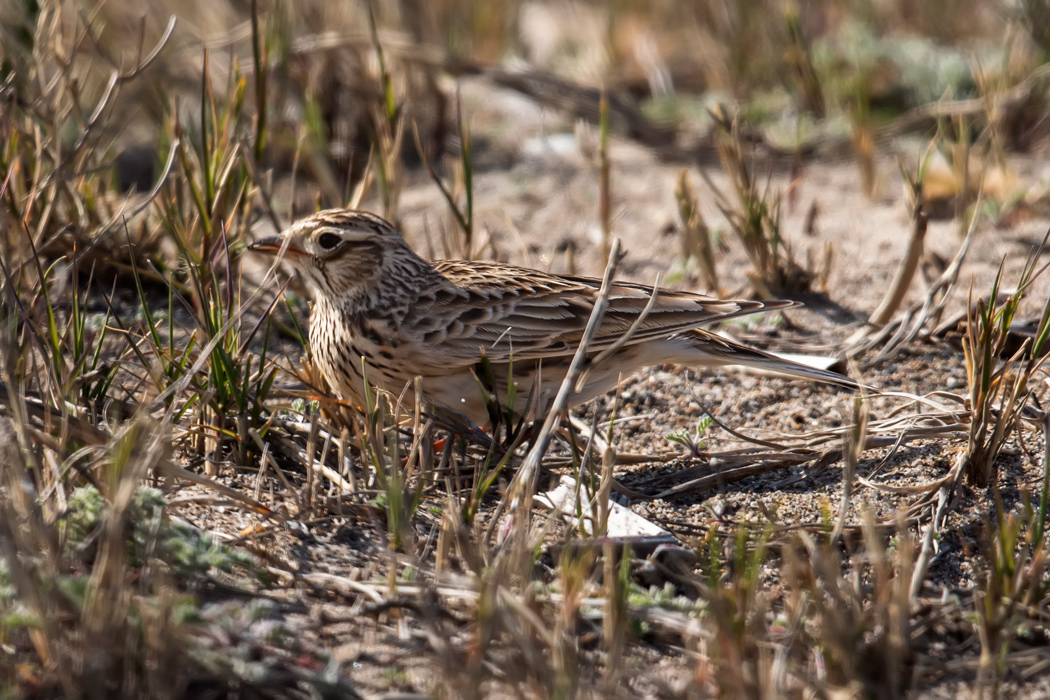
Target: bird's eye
<point>329,241</point>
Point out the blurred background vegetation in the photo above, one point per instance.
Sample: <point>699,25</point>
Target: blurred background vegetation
<point>334,104</point>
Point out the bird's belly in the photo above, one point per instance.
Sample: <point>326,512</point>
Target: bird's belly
<point>453,389</point>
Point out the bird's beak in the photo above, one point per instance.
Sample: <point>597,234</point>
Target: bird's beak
<point>273,245</point>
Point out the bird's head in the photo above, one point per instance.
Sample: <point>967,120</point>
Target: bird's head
<point>343,253</point>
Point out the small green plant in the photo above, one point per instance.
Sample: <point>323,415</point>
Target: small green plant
<point>693,441</point>
<point>1013,582</point>
<point>753,214</point>
<point>74,602</point>
<point>999,390</point>
<point>736,606</point>
<point>205,208</point>
<point>187,550</point>
<point>400,479</point>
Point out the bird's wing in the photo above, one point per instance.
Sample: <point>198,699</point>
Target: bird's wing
<point>511,311</point>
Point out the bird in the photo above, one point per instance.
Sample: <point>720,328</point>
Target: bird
<point>472,330</point>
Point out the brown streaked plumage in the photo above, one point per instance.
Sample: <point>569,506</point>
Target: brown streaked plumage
<point>374,298</point>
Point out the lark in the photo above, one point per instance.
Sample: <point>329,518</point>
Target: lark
<point>469,329</point>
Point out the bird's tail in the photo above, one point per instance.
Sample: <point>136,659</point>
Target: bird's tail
<point>714,349</point>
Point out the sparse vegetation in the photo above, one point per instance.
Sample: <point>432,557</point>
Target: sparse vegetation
<point>1000,391</point>
<point>754,216</point>
<point>185,511</point>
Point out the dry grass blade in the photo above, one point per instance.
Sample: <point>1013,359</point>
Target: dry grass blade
<point>604,178</point>
<point>853,446</point>
<point>524,484</point>
<point>919,320</point>
<point>909,263</point>
<point>930,532</point>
